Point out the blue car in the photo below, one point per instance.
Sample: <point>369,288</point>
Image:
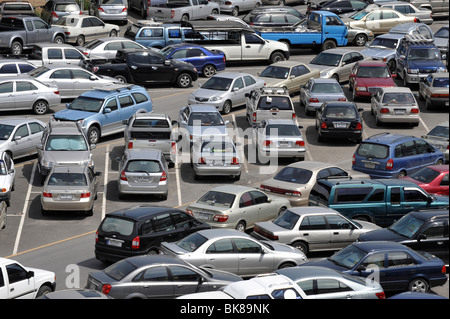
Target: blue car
<point>387,155</point>
<point>205,61</point>
<point>393,265</point>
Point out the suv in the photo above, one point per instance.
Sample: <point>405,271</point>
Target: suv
<point>139,230</point>
<point>269,103</point>
<point>379,201</point>
<point>387,155</point>
<point>55,9</point>
<point>416,58</point>
<point>63,143</point>
<point>102,110</point>
<point>421,230</point>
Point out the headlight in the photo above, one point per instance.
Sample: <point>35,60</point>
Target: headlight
<point>215,98</point>
<point>49,164</point>
<point>441,70</point>
<point>325,74</point>
<point>413,71</point>
<point>361,88</point>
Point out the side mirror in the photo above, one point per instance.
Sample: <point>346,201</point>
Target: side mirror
<point>93,78</point>
<point>269,199</point>
<point>30,274</point>
<point>67,105</point>
<point>93,146</point>
<point>167,62</point>
<point>107,110</point>
<point>421,237</point>
<point>39,146</point>
<point>300,126</point>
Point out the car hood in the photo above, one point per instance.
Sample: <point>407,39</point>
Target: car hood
<point>72,115</point>
<point>323,68</point>
<point>378,53</point>
<point>67,156</point>
<point>206,94</point>
<point>41,275</point>
<point>367,226</point>
<point>325,262</point>
<point>425,64</point>
<point>375,82</point>
<point>382,234</point>
<point>440,200</point>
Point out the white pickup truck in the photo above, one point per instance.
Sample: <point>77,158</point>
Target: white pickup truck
<point>17,281</point>
<point>183,10</point>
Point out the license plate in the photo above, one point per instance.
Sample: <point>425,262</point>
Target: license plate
<point>284,143</point>
<point>369,165</point>
<point>340,125</point>
<point>66,196</point>
<point>114,242</point>
<point>142,179</point>
<point>203,216</point>
<point>399,112</point>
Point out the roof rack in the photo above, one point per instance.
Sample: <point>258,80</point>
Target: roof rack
<point>149,22</point>
<point>417,39</point>
<point>273,90</point>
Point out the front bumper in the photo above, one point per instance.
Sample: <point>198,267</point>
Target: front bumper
<point>416,78</point>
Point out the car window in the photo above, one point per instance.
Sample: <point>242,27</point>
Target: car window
<point>238,83</point>
<point>333,21</point>
<point>395,196</point>
<point>130,45</point>
<point>373,150</point>
<point>294,175</point>
<point>16,273</point>
<point>61,74</point>
<point>347,58</point>
<point>307,286</point>
<point>112,224</point>
<point>112,104</point>
<point>180,220</point>
<point>248,80</point>
<point>444,181</point>
<point>259,197</point>
<point>139,97</point>
<point>125,101</point>
<point>174,33</point>
<point>390,15</point>
<point>183,274</point>
<point>9,69</point>
<point>313,223</point>
<point>414,195</point>
<point>86,23</point>
<point>147,227</point>
<point>67,179</point>
<point>377,196</point>
<point>399,259</point>
<point>253,39</point>
<point>6,87</point>
<point>158,274</point>
<point>113,46</point>
<point>374,260</point>
<point>22,86</point>
<point>154,33</point>
<point>409,148</point>
<point>299,70</point>
<point>221,246</point>
<point>195,53</point>
<point>22,131</point>
<point>246,200</point>
<point>336,171</point>
<point>96,22</point>
<point>337,222</point>
<point>422,147</point>
<point>358,5</point>
<point>246,246</point>
<point>425,32</point>
<point>351,194</point>
<point>402,9</point>
<point>329,286</point>
<point>376,15</point>
<point>163,222</point>
<point>80,74</point>
<point>180,54</point>
<point>435,230</point>
<point>38,24</point>
<point>73,54</point>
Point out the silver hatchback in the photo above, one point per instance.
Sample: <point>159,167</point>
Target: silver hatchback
<point>109,10</point>
<point>317,91</point>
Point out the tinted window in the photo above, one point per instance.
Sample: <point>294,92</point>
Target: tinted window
<point>25,86</point>
<point>286,220</point>
<point>222,246</point>
<point>163,222</point>
<point>328,286</point>
<point>354,194</point>
<point>72,54</point>
<point>22,131</point>
<point>399,259</point>
<point>15,273</point>
<point>414,195</point>
<point>247,246</point>
<point>377,196</point>
<point>35,128</point>
<point>180,220</point>
<point>313,223</point>
<point>183,274</point>
<point>139,97</point>
<point>294,175</point>
<point>337,222</point>
<point>24,68</point>
<point>6,87</point>
<point>121,226</point>
<point>373,150</point>
<point>157,274</point>
<point>8,69</point>
<point>125,101</point>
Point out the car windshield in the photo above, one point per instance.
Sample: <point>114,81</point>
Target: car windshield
<point>287,220</point>
<point>386,43</point>
<point>424,54</point>
<point>329,59</point>
<point>407,226</point>
<point>282,130</point>
<point>441,82</point>
<point>275,102</point>
<point>372,150</point>
<point>340,112</point>
<point>93,44</point>
<point>166,51</point>
<point>38,71</point>
<point>275,72</point>
<point>294,175</point>
<point>215,147</point>
<point>425,175</point>
<point>215,198</point>
<point>373,72</point>
<point>5,131</point>
<point>143,166</point>
<point>205,119</point>
<point>120,269</point>
<point>326,88</point>
<point>87,104</point>
<point>442,33</point>
<point>66,143</point>
<point>116,225</point>
<point>67,7</point>
<point>191,242</point>
<point>399,98</point>
<point>359,15</point>
<point>67,179</point>
<point>348,257</point>
<point>439,131</point>
<point>217,83</point>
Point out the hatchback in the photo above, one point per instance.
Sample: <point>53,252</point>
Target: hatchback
<point>317,91</point>
<point>388,155</point>
<point>110,10</point>
<point>139,230</point>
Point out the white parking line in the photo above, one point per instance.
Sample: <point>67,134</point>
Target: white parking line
<point>105,181</point>
<point>177,177</point>
<point>240,147</point>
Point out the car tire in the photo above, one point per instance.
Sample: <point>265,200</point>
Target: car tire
<point>214,12</point>
<point>440,161</point>
<point>209,70</point>
<point>401,174</point>
<point>121,79</point>
<point>287,265</point>
<point>419,285</point>
<point>16,48</point>
<point>90,212</point>
<point>276,57</point>
<point>303,247</point>
<point>237,177</point>
<point>58,39</point>
<point>184,80</point>
<point>235,12</point>
<point>185,17</point>
<point>43,290</point>
<point>40,107</point>
<point>113,33</point>
<point>93,135</point>
<point>360,40</point>
<point>328,44</point>
<point>80,40</point>
<point>226,109</point>
<point>241,226</point>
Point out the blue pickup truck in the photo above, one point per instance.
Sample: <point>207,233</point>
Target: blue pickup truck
<point>322,30</point>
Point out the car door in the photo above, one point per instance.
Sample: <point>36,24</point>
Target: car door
<point>254,47</point>
<point>21,284</point>
<point>342,232</point>
<point>127,109</point>
<point>372,267</point>
<point>347,64</point>
<point>36,131</point>
<point>432,238</point>
<point>266,210</point>
<point>332,288</point>
<point>82,82</point>
<point>110,116</point>
<point>26,95</point>
<point>252,257</point>
<point>248,211</point>
<point>7,95</point>
<point>221,254</point>
<point>414,198</point>
<point>97,30</point>
<point>401,268</point>
<point>43,32</point>
<point>72,56</point>
<point>314,230</point>
<point>335,29</point>
<point>22,142</point>
<point>186,281</point>
<point>389,20</point>
<point>372,21</point>
<point>238,91</point>
<point>63,80</point>
<point>153,283</point>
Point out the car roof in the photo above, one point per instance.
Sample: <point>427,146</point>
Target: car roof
<point>339,50</point>
<point>369,246</point>
<point>296,273</point>
<point>338,104</point>
<point>405,27</point>
<point>388,35</point>
<point>324,80</point>
<point>145,260</point>
<point>222,232</point>
<point>202,108</point>
<point>426,214</point>
<point>231,75</point>
<point>140,211</point>
<point>312,210</point>
<point>150,115</point>
<point>63,127</point>
<point>107,90</point>
<point>388,138</point>
<point>396,89</point>
<point>232,189</point>
<point>151,154</point>
<point>69,169</point>
<point>18,121</point>
<point>280,121</point>
<point>368,182</point>
<point>371,63</point>
<point>310,165</point>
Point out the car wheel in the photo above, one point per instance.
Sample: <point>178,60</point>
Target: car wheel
<point>58,39</point>
<point>237,177</point>
<point>80,40</point>
<point>121,79</point>
<point>328,44</point>
<point>40,107</point>
<point>360,40</point>
<point>241,226</point>
<point>287,265</point>
<point>226,107</point>
<point>43,291</point>
<point>113,33</point>
<point>336,77</point>
<point>209,70</point>
<point>93,135</point>
<point>184,80</point>
<point>214,11</point>
<point>303,247</point>
<point>419,285</point>
<point>401,174</point>
<point>440,161</point>
<point>185,17</point>
<point>276,57</point>
<point>235,12</point>
<point>16,48</point>
<point>281,211</point>
<point>90,212</point>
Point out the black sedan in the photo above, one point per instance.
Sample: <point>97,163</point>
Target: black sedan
<point>339,120</point>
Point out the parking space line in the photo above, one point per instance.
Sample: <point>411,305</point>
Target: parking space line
<point>177,178</point>
<point>105,181</point>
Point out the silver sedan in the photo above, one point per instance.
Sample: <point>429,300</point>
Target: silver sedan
<point>106,48</point>
<point>317,91</point>
<point>233,251</point>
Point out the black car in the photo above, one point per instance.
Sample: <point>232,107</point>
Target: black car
<point>139,230</point>
<point>341,6</point>
<point>143,66</point>
<point>421,230</point>
<point>339,120</point>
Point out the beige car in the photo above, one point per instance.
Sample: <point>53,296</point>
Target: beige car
<point>378,21</point>
<point>288,74</point>
<point>434,90</point>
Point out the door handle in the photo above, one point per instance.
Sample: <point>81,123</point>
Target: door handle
<point>306,234</point>
<point>134,67</point>
<point>248,47</point>
<point>336,233</point>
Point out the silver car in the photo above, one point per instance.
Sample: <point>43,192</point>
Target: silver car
<point>25,93</point>
<point>233,251</point>
<point>438,137</point>
<point>359,36</point>
<point>216,156</point>
<point>110,10</point>
<point>234,7</point>
<point>336,63</point>
<point>19,136</point>
<point>395,105</point>
<point>276,138</point>
<point>10,67</point>
<point>236,207</point>
<point>7,177</point>
<point>312,229</point>
<point>434,90</point>
<point>106,48</point>
<point>422,15</point>
<point>71,81</point>
<point>225,90</point>
<point>143,171</point>
<point>70,188</point>
<point>317,91</point>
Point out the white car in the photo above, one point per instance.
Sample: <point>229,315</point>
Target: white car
<point>81,28</point>
<point>106,48</point>
<point>7,176</point>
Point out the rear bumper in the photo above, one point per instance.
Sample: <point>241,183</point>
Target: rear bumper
<point>340,134</point>
<point>205,170</point>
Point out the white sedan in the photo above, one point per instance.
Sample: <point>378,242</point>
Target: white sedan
<point>106,48</point>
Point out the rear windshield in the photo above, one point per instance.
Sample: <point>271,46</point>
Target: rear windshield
<point>121,226</point>
<point>67,179</point>
<point>275,102</point>
<point>214,198</point>
<point>326,88</point>
<point>150,135</point>
<point>439,131</point>
<point>143,166</point>
<point>67,7</point>
<point>151,123</point>
<point>373,150</point>
<point>191,242</point>
<point>398,98</point>
<point>441,82</point>
<point>217,147</point>
<point>282,130</point>
<point>340,112</point>
<point>287,220</point>
<point>294,175</point>
<point>119,270</point>
<point>321,193</point>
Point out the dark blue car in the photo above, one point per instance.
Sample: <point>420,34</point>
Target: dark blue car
<point>207,62</point>
<point>395,266</point>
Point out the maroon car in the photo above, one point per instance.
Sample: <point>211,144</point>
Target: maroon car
<point>367,77</point>
<point>433,179</point>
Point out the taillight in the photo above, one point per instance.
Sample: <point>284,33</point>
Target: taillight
<point>354,160</point>
<point>66,32</point>
<point>324,125</point>
<point>444,269</point>
<point>254,116</point>
<point>124,9</point>
<point>101,9</point>
<point>173,149</point>
<point>439,95</point>
<point>293,116</point>
<point>390,164</point>
<point>300,143</point>
<point>130,145</point>
<point>96,236</point>
<point>172,14</point>
<point>267,143</point>
<point>235,161</point>
<point>384,110</point>
<point>189,212</point>
<point>220,218</point>
<point>81,12</point>
<point>201,161</point>
<point>123,176</point>
<point>135,243</point>
<point>106,289</point>
<point>415,111</point>
<point>415,20</point>
<point>228,3</point>
<point>380,295</point>
<point>358,126</point>
<point>163,177</point>
<point>54,15</point>
<point>47,194</point>
<point>85,195</point>
<point>56,92</point>
<point>342,99</point>
<point>313,100</point>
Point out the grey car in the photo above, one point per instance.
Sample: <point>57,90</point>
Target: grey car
<point>233,251</point>
<point>317,91</point>
<point>7,177</point>
<point>236,207</point>
<point>438,137</point>
<point>156,276</point>
<point>434,90</point>
<point>55,9</point>
<point>422,15</point>
<point>312,229</point>
<point>143,171</point>
<point>19,136</point>
<point>359,36</point>
<point>70,188</point>
<point>225,90</point>
<point>383,48</point>
<point>9,67</point>
<point>110,10</point>
<point>441,40</point>
<point>106,48</point>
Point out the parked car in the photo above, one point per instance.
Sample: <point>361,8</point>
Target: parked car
<point>3,211</point>
<point>340,6</point>
<point>71,81</point>
<point>395,105</point>
<point>441,41</point>
<point>80,28</point>
<point>278,138</point>
<point>272,7</point>
<point>16,8</point>
<point>226,17</point>
<point>359,36</point>
<point>433,179</point>
<point>44,53</point>
<point>336,63</point>
<point>9,67</point>
<point>417,295</point>
<point>438,7</point>
<point>173,11</point>
<point>55,9</point>
<point>24,93</point>
<point>434,90</point>
<point>407,9</point>
<point>235,7</point>
<point>415,28</point>
<point>236,207</point>
<point>106,48</point>
<point>367,77</point>
<point>205,61</point>
<point>233,251</point>
<point>215,156</point>
<point>312,229</point>
<point>144,172</point>
<point>225,90</point>
<point>19,136</point>
<point>273,19</point>
<point>388,155</point>
<point>93,109</point>
<point>383,48</point>
<point>288,74</point>
<point>70,188</point>
<point>339,120</point>
<point>109,10</point>
<point>318,91</point>
<point>421,230</point>
<point>438,137</point>
<point>7,178</point>
<point>395,266</point>
<point>128,278</point>
<point>139,230</point>
<point>80,293</point>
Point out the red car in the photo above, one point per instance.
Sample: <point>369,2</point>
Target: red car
<point>367,76</point>
<point>433,179</point>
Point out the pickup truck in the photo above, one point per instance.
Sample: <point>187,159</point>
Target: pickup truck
<point>22,32</point>
<point>322,30</point>
<point>17,281</point>
<point>237,42</point>
<point>183,10</point>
